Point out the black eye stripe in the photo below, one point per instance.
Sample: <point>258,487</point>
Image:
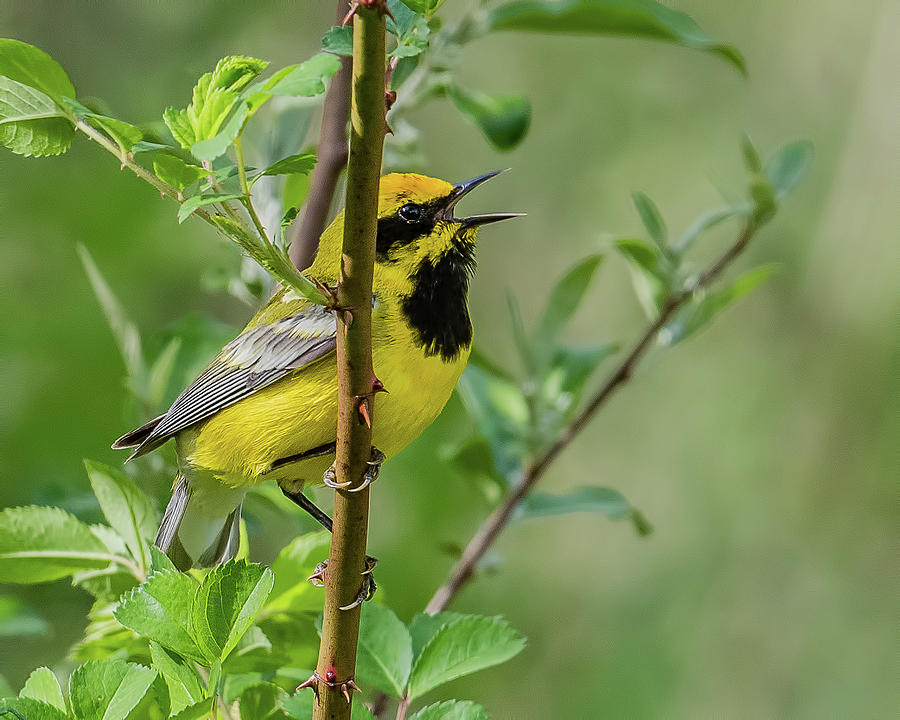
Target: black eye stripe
<point>395,231</point>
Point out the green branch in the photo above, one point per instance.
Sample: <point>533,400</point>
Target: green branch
<point>340,628</point>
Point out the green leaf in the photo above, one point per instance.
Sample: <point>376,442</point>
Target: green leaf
<point>177,172</point>
<point>20,620</point>
<point>31,123</point>
<point>306,79</point>
<point>788,166</point>
<point>160,373</point>
<point>160,610</point>
<point>291,593</point>
<point>565,298</point>
<point>27,64</point>
<point>123,134</point>
<point>602,500</point>
<point>226,604</point>
<point>649,273</point>
<point>105,636</point>
<point>215,95</point>
<point>384,656</point>
<point>700,311</point>
<point>633,18</point>
<point>474,460</point>
<point>300,164</point>
<point>299,706</point>
<point>108,689</point>
<point>452,710</point>
<point>126,507</point>
<point>180,676</point>
<point>425,7</point>
<point>411,29</point>
<point>651,218</point>
<point>704,223</point>
<point>43,686</point>
<point>503,119</point>
<point>338,40</point>
<point>500,412</point>
<point>751,155</point>
<point>570,368</point>
<point>462,647</point>
<point>189,206</point>
<point>39,544</point>
<point>31,709</point>
<point>424,627</point>
<point>123,329</point>
<point>159,560</point>
<point>262,702</point>
<point>211,148</point>
<point>200,711</point>
<point>520,336</point>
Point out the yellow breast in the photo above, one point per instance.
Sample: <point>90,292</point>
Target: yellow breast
<point>299,412</point>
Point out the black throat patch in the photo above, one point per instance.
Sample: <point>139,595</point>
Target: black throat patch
<point>436,309</point>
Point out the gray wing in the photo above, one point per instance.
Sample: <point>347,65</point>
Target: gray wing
<point>253,360</point>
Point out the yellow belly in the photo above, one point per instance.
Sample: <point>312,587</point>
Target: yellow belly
<point>299,412</point>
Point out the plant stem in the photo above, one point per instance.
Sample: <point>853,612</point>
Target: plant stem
<point>489,530</point>
<point>340,628</point>
<point>332,159</point>
<point>245,190</point>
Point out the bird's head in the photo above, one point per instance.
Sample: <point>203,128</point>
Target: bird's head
<point>424,257</point>
<point>417,224</point>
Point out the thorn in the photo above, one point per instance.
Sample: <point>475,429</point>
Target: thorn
<point>351,683</point>
<point>345,692</point>
<point>390,97</point>
<point>378,386</point>
<point>311,682</point>
<point>162,195</point>
<point>363,409</point>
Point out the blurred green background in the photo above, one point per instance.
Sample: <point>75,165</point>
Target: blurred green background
<point>764,451</point>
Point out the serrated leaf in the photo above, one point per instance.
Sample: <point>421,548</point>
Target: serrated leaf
<point>43,686</point>
<point>108,689</point>
<point>651,218</point>
<point>159,560</point>
<point>565,298</point>
<point>384,655</point>
<point>291,593</point>
<point>226,604</point>
<point>788,166</point>
<point>209,149</point>
<point>27,64</point>
<point>105,636</point>
<point>262,702</point>
<point>199,711</point>
<point>633,18</point>
<point>180,676</point>
<point>462,647</point>
<point>306,79</point>
<point>701,310</point>
<point>31,709</point>
<point>425,7</point>
<point>649,273</point>
<point>194,203</point>
<point>411,29</point>
<point>126,507</point>
<point>424,627</point>
<point>213,99</point>
<point>338,40</point>
<point>123,134</point>
<point>503,119</point>
<point>299,164</point>
<point>40,544</point>
<point>31,123</point>
<point>452,710</point>
<point>177,172</point>
<point>160,610</point>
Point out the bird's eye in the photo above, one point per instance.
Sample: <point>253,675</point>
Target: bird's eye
<point>410,212</point>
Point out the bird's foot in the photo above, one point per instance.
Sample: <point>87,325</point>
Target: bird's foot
<point>373,468</point>
<point>366,591</point>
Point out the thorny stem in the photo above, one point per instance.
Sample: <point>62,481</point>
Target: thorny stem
<point>491,528</point>
<point>343,580</point>
<point>245,190</point>
<point>332,153</point>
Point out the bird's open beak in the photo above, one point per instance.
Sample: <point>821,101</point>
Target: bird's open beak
<point>463,189</point>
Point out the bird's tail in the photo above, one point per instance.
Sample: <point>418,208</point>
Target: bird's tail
<point>201,526</point>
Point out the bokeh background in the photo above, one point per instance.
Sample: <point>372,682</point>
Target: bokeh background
<point>764,451</point>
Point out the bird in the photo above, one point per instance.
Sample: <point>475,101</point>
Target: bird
<point>265,408</point>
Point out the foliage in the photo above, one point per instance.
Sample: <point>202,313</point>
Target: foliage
<point>241,636</point>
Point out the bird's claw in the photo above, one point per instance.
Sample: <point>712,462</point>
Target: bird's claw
<point>330,479</point>
<point>374,467</point>
<point>318,576</point>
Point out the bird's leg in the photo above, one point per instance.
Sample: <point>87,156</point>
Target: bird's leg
<point>373,468</point>
<point>318,576</point>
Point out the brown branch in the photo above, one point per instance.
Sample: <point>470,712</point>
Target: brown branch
<point>332,159</point>
<point>496,521</point>
<point>347,560</point>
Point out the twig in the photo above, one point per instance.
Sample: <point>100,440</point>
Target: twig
<point>332,159</point>
<point>495,523</point>
<point>347,559</point>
